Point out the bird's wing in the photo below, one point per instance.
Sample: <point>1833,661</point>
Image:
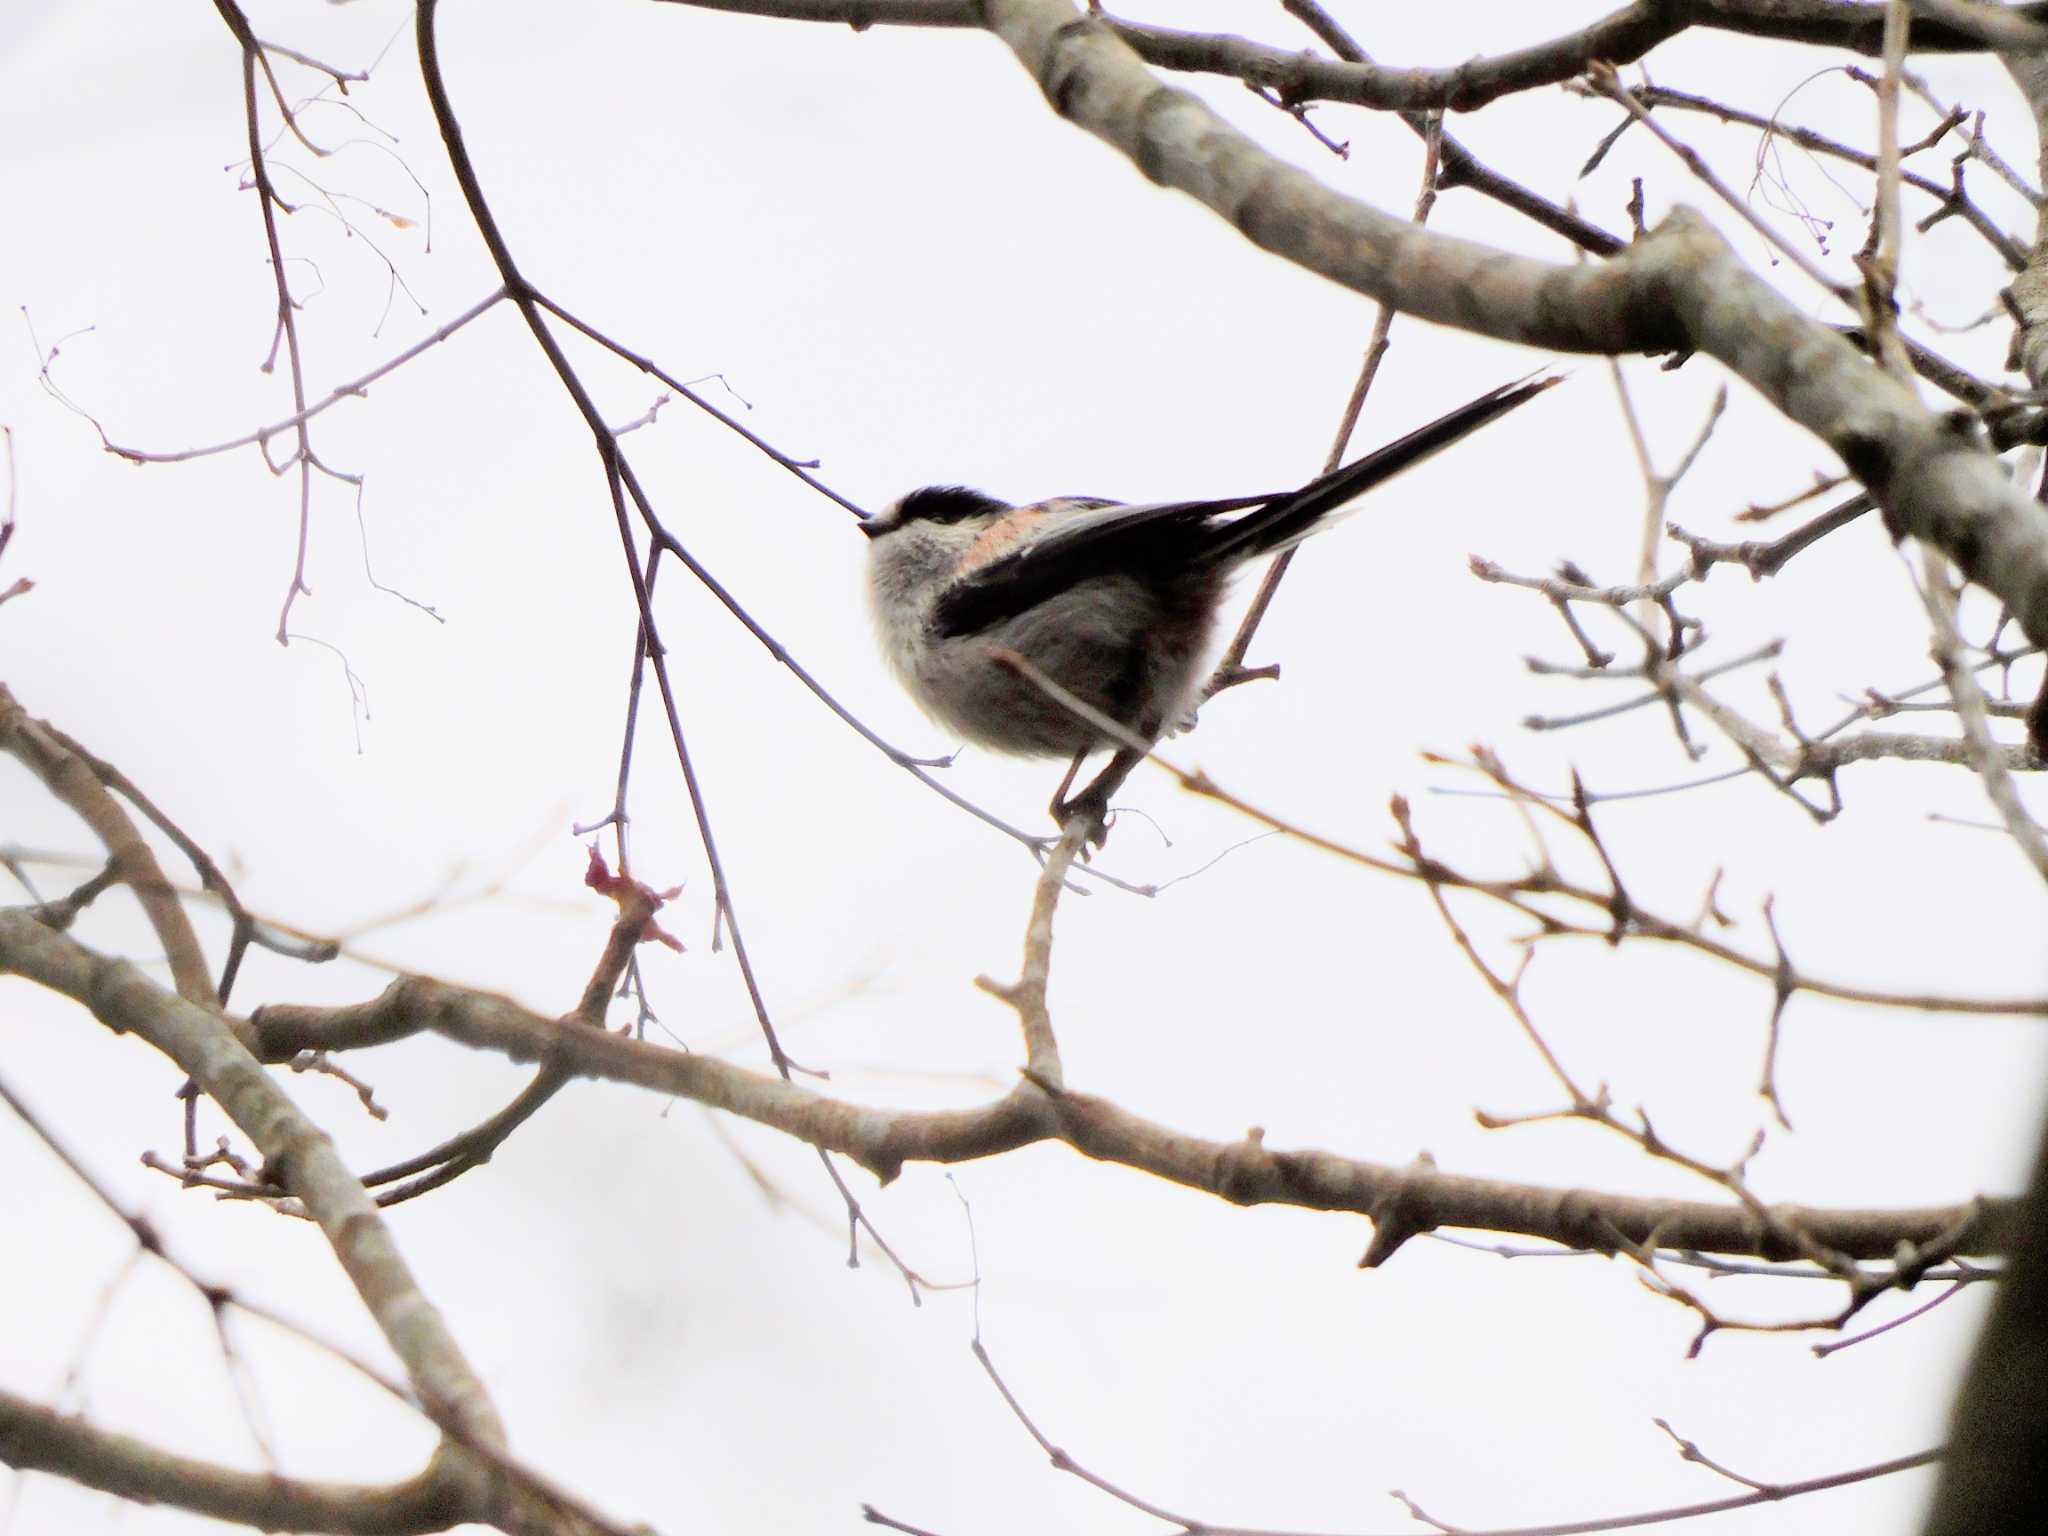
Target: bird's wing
<point>1095,541</point>
<point>1180,535</point>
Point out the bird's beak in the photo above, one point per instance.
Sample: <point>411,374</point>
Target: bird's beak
<point>869,526</point>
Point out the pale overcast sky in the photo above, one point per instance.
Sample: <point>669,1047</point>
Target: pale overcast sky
<point>902,264</point>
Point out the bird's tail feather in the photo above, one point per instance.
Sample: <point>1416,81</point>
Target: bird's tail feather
<point>1289,518</point>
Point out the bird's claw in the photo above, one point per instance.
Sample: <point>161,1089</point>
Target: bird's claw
<point>1092,803</point>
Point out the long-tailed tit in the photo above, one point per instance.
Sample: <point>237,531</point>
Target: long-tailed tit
<point>1117,604</point>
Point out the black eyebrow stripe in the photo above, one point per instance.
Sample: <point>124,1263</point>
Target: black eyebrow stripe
<point>946,504</point>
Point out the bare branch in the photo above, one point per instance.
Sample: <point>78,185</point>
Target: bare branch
<point>883,1140</point>
<point>45,753</point>
<point>1977,747</point>
<point>38,1439</point>
<point>1620,38</point>
<point>297,1153</point>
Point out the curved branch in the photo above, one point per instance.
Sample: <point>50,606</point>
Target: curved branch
<point>1420,1197</point>
<point>1620,38</point>
<point>47,753</point>
<point>2030,289</point>
<point>1244,1173</point>
<point>297,1155</point>
<point>38,1439</point>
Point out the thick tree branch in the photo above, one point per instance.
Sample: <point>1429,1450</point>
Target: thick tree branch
<point>297,1154</point>
<point>1680,288</point>
<point>38,1439</point>
<point>883,1140</point>
<point>2029,291</point>
<point>1620,38</point>
<point>46,753</point>
<point>1245,1172</point>
<point>453,1489</point>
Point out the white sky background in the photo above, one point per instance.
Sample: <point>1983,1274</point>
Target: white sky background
<point>915,272</point>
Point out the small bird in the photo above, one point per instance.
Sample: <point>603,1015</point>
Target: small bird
<point>1115,603</point>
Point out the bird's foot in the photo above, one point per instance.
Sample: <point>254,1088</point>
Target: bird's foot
<point>1093,803</point>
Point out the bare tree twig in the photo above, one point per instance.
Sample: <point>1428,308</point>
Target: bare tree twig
<point>1988,756</point>
<point>1230,667</point>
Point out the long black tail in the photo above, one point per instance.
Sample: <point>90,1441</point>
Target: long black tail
<point>1287,518</point>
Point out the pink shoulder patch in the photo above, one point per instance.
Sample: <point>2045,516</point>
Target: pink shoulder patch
<point>998,538</point>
